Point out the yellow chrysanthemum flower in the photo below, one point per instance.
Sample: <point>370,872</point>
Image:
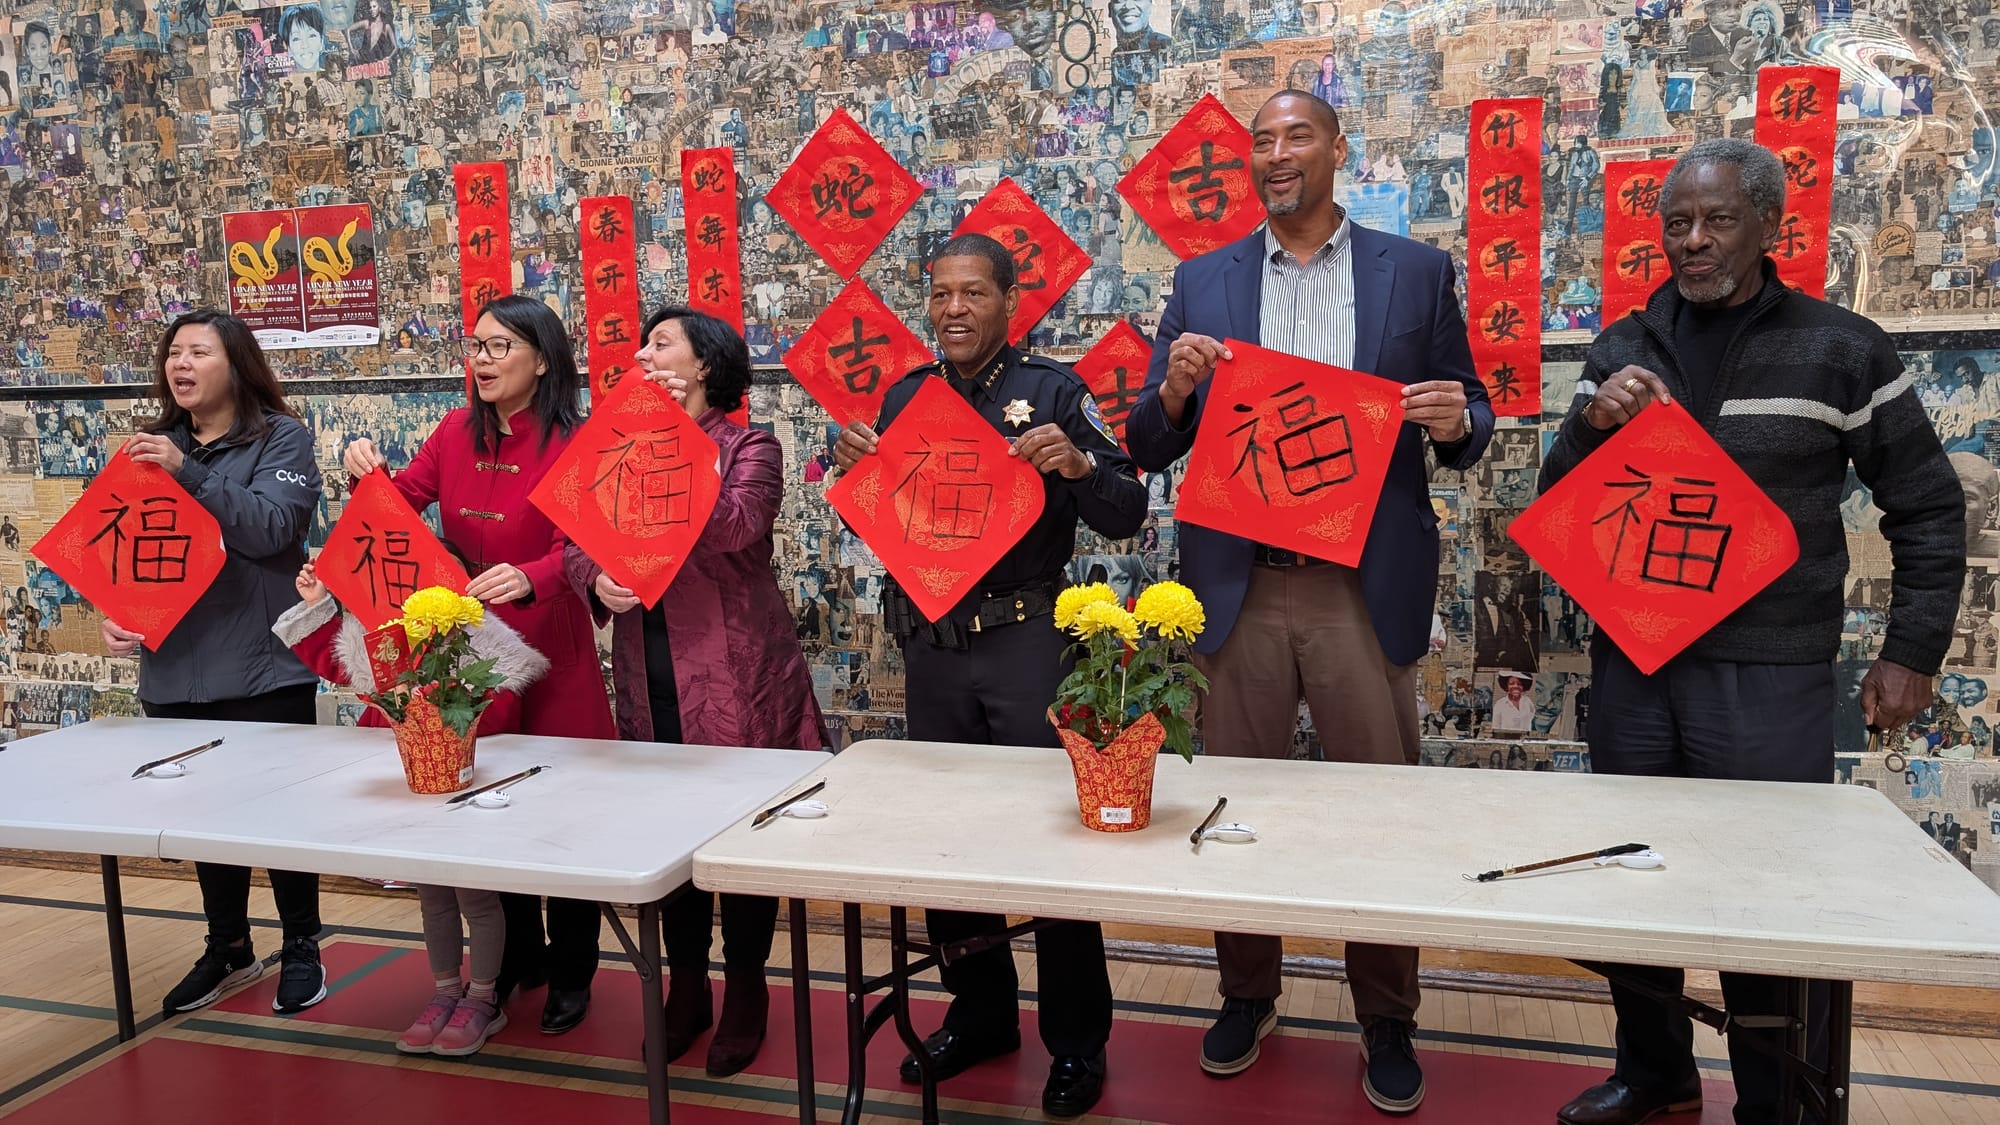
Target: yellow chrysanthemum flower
<point>1106,617</point>
<point>1070,602</point>
<point>437,610</point>
<point>1172,610</point>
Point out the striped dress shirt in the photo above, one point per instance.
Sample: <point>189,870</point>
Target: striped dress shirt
<point>1307,309</point>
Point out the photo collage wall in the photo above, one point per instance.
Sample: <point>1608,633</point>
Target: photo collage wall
<point>128,128</point>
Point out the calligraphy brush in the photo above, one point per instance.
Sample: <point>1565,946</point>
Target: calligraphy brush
<point>765,817</point>
<point>1194,837</point>
<point>171,759</point>
<point>1607,853</point>
<point>470,794</point>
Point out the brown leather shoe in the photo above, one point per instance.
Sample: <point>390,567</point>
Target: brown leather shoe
<point>690,1009</point>
<point>746,1005</point>
<point>1615,1103</point>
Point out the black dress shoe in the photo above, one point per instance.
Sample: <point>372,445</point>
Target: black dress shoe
<point>953,1054</point>
<point>1615,1103</point>
<point>1075,1083</point>
<point>564,1009</point>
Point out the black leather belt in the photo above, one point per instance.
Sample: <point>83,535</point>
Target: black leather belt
<point>1014,606</point>
<point>995,610</point>
<point>1278,556</point>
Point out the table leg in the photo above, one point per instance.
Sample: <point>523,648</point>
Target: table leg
<point>857,1015</point>
<point>121,966</point>
<point>652,1004</point>
<point>802,1014</point>
<point>899,989</point>
<point>1839,1050</point>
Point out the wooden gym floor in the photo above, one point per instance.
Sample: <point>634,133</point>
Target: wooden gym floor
<point>1489,1058</point>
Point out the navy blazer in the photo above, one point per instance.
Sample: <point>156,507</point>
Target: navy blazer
<point>1408,327</point>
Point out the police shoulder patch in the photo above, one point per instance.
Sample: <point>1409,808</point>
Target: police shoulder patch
<point>1096,418</point>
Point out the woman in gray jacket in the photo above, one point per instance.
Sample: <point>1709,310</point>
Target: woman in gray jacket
<point>227,435</point>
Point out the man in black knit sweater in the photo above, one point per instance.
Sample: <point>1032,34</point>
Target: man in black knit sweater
<point>1796,390</point>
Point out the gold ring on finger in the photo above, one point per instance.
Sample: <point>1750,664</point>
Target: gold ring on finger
<point>1631,384</point>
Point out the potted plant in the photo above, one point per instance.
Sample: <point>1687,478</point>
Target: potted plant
<point>436,686</point>
<point>1127,697</point>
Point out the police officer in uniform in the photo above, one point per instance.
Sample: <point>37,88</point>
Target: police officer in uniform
<point>987,673</point>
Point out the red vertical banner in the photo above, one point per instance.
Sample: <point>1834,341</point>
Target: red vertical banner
<point>715,265</point>
<point>1796,115</point>
<point>485,241</point>
<point>1504,251</point>
<point>610,289</point>
<point>715,268</point>
<point>1634,262</point>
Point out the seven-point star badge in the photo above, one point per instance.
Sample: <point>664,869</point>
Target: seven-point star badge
<point>1017,412</point>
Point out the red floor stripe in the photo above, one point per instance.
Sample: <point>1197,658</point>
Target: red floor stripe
<point>1153,1067</point>
<point>171,1082</point>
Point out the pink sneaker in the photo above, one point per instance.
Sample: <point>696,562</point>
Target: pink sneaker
<point>423,1033</point>
<point>472,1023</point>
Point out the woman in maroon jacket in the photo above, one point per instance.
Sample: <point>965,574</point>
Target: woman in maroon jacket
<point>715,663</point>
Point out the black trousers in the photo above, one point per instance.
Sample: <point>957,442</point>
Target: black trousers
<point>687,925</point>
<point>1700,718</point>
<point>568,956</point>
<point>225,888</point>
<point>997,692</point>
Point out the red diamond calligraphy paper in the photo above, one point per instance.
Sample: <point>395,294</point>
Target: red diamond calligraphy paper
<point>1796,115</point>
<point>610,289</point>
<point>940,499</point>
<point>1193,187</point>
<point>1658,535</point>
<point>485,242</point>
<point>635,487</point>
<point>1634,262</point>
<point>1046,261</point>
<point>1504,251</point>
<point>715,262</point>
<point>844,193</point>
<point>852,353</point>
<point>1115,370</point>
<point>380,552</point>
<point>137,546</point>
<point>1291,453</point>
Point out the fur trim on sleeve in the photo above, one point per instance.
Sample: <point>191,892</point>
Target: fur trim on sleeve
<point>303,620</point>
<point>350,647</point>
<point>517,662</point>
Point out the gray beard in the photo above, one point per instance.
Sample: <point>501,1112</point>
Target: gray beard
<point>1286,207</point>
<point>1715,290</point>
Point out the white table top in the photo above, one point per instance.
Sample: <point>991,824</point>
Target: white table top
<point>1801,880</point>
<point>72,790</point>
<point>613,821</point>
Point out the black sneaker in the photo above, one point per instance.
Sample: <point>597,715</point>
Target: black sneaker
<point>1231,1045</point>
<point>219,967</point>
<point>1393,1081</point>
<point>301,978</point>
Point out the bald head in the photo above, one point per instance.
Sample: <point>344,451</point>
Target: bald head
<point>1320,111</point>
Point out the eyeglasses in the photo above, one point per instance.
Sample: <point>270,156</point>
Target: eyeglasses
<point>496,347</point>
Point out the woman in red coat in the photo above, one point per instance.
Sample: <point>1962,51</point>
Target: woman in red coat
<point>715,663</point>
<point>479,466</point>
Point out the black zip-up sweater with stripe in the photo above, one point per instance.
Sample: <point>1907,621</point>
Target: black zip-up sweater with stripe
<point>1804,389</point>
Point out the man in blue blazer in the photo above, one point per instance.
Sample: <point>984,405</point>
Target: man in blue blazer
<point>1282,625</point>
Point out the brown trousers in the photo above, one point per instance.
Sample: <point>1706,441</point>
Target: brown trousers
<point>1305,631</point>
